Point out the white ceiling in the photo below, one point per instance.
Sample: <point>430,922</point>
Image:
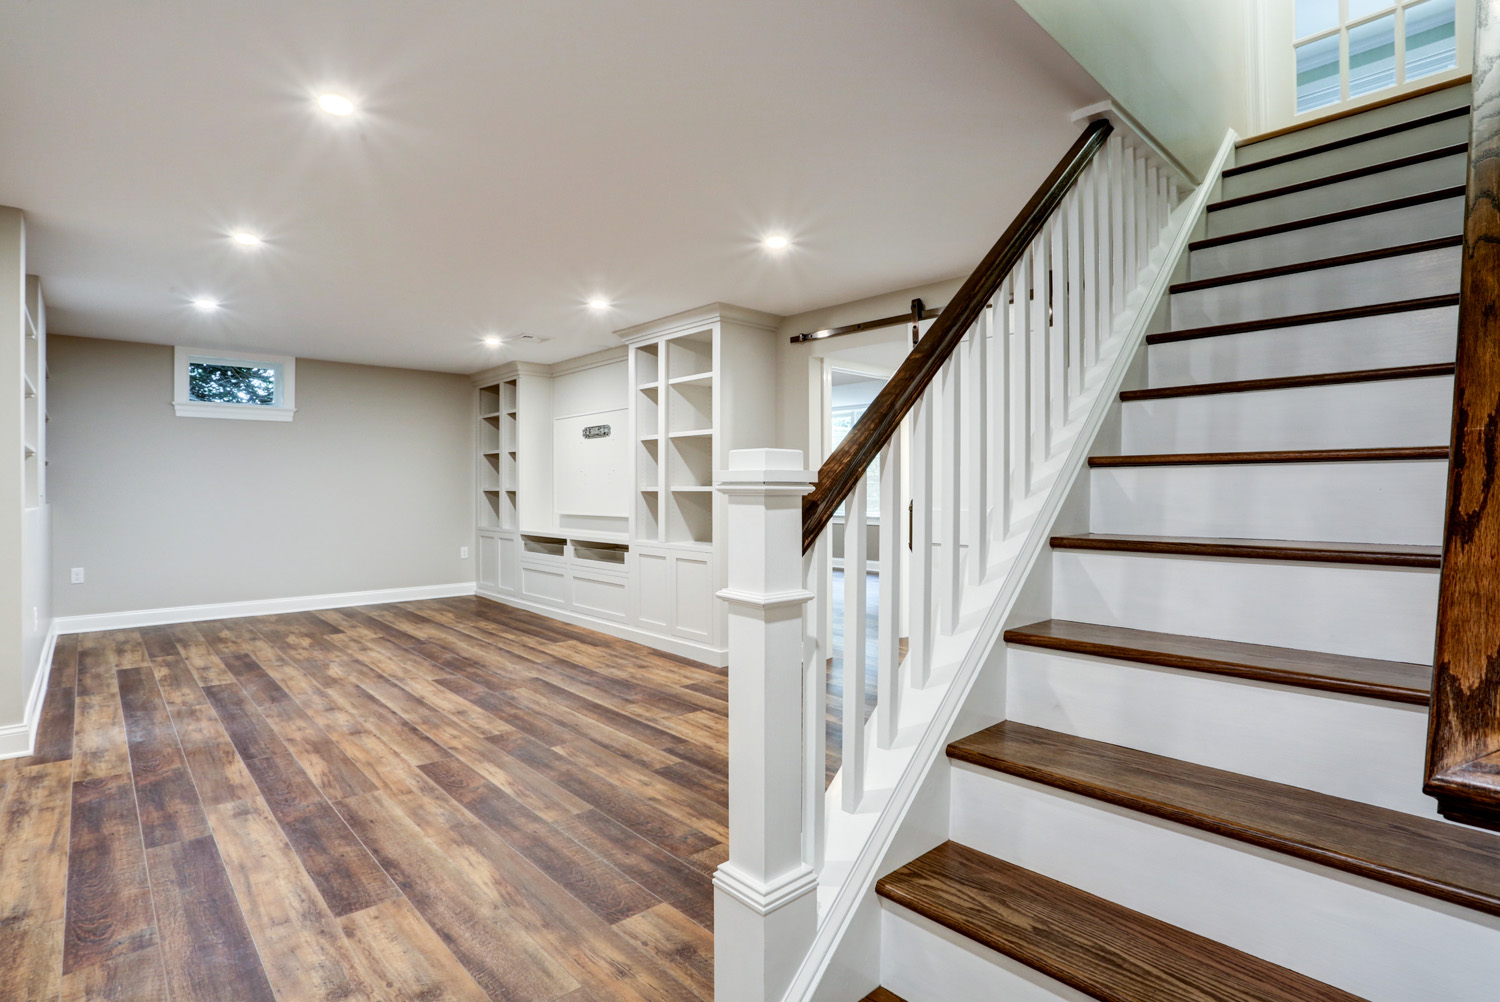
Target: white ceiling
<point>509,161</point>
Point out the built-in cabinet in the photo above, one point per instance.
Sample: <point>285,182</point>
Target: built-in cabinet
<point>34,390</point>
<point>595,476</point>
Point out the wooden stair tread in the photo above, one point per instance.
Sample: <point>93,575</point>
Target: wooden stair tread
<point>1347,141</point>
<point>1386,554</point>
<point>1292,382</point>
<point>1304,319</point>
<point>882,995</point>
<point>1402,453</point>
<point>1339,261</point>
<point>1088,943</point>
<point>1308,222</point>
<point>1439,153</point>
<point>1427,856</point>
<point>1398,681</point>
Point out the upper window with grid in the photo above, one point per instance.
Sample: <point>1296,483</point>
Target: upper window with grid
<point>1349,48</point>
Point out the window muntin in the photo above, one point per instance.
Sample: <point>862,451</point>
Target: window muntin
<point>1349,48</point>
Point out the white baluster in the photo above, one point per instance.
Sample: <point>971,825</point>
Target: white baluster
<point>1131,218</point>
<point>950,458</point>
<point>976,441</point>
<point>1001,358</point>
<point>1075,316</point>
<point>815,658</point>
<point>765,893</point>
<point>1057,332</point>
<point>1146,184</point>
<point>888,638</point>
<point>1023,397</point>
<point>854,646</point>
<point>1041,321</point>
<point>1088,318</point>
<point>1116,217</point>
<point>921,539</point>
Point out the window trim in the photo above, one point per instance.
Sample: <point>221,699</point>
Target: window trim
<point>286,385</point>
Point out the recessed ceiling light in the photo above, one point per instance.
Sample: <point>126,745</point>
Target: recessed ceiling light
<point>205,304</point>
<point>775,242</point>
<point>336,104</point>
<point>245,238</point>
<point>598,303</point>
<point>491,341</point>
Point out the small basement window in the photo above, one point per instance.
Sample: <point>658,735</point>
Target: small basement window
<point>209,383</point>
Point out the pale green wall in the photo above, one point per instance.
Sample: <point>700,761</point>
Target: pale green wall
<point>1177,66</point>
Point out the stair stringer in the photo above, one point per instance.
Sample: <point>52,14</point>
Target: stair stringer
<point>843,961</point>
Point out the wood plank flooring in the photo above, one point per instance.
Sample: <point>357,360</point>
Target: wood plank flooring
<point>446,800</point>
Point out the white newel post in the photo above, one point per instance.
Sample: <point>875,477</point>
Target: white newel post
<point>765,901</point>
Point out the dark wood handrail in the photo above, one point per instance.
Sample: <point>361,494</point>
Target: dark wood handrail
<point>842,470</point>
<point>1463,746</point>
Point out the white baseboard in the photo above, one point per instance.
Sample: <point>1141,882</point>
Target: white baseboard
<point>256,607</point>
<point>672,645</point>
<point>17,740</point>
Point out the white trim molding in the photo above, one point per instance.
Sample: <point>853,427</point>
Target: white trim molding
<point>18,740</point>
<point>254,607</point>
<point>714,657</point>
<point>286,385</point>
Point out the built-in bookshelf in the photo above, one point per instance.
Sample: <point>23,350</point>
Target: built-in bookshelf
<point>596,476</point>
<point>646,371</point>
<point>33,388</point>
<point>510,456</point>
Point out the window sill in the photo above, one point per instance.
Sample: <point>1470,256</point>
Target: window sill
<point>238,412</point>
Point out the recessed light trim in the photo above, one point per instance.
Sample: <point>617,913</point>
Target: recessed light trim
<point>245,238</point>
<point>205,304</point>
<point>599,303</point>
<point>491,341</point>
<point>336,104</point>
<point>776,242</point>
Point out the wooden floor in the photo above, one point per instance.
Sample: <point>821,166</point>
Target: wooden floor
<point>434,800</point>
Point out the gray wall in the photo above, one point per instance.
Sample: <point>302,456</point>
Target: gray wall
<point>371,486</point>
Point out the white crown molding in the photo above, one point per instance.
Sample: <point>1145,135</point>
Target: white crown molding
<point>254,607</point>
<point>698,318</point>
<point>593,360</point>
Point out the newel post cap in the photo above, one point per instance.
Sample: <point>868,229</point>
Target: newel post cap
<point>757,470</point>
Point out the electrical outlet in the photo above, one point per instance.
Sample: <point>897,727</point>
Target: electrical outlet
<point>463,553</point>
<point>77,577</point>
<point>36,618</point>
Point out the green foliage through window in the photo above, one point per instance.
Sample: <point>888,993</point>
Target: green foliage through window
<point>232,384</point>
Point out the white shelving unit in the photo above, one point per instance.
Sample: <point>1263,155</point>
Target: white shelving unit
<point>693,386</point>
<point>34,392</point>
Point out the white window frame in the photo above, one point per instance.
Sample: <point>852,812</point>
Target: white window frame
<point>286,385</point>
<point>1273,77</point>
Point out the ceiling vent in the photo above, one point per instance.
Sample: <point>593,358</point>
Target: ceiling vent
<point>524,339</point>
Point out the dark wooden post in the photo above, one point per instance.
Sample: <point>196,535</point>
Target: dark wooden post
<point>1463,751</point>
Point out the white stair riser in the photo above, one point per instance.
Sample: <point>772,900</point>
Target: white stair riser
<point>1378,942</point>
<point>1385,502</point>
<point>1361,610</point>
<point>1345,746</point>
<point>1373,151</point>
<point>1406,276</point>
<point>1426,175</point>
<point>922,961</point>
<point>1389,413</point>
<point>1354,125</point>
<point>1414,338</point>
<point>1426,221</point>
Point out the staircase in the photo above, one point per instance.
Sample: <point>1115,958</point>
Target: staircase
<point>1208,781</point>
